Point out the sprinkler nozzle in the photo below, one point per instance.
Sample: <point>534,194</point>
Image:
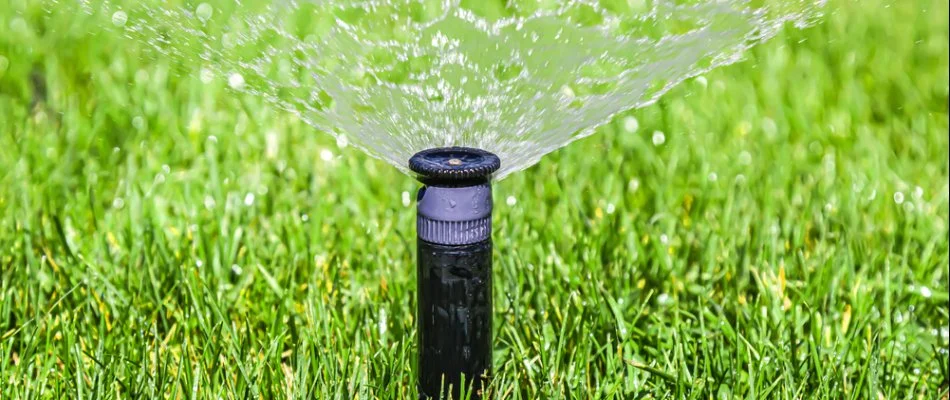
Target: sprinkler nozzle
<point>453,236</point>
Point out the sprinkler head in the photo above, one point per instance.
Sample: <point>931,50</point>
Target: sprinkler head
<point>453,237</point>
<point>447,164</point>
<point>455,205</point>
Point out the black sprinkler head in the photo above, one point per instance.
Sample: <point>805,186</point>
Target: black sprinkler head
<point>453,270</point>
<point>454,164</point>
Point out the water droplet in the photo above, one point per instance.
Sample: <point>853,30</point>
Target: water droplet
<point>119,18</point>
<point>925,291</point>
<point>701,80</point>
<point>712,177</point>
<point>567,92</point>
<point>326,155</point>
<point>511,200</point>
<point>745,158</point>
<point>204,12</point>
<point>272,144</point>
<point>611,208</point>
<point>139,123</point>
<point>206,75</point>
<point>918,192</point>
<point>658,138</point>
<point>899,197</point>
<point>199,263</point>
<point>236,81</point>
<point>236,269</point>
<point>209,202</point>
<point>633,185</point>
<point>118,203</point>
<point>382,324</point>
<point>406,200</point>
<point>630,124</point>
<point>769,127</point>
<point>664,299</point>
<point>342,141</point>
<point>249,199</point>
<point>664,239</point>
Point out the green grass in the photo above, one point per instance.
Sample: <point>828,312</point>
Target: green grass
<point>160,237</point>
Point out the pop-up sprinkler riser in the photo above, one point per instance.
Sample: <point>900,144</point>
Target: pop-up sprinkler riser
<point>453,234</point>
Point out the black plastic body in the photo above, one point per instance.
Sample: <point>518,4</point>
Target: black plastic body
<point>453,236</point>
<point>455,319</point>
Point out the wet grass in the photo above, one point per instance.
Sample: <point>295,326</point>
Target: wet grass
<point>774,229</point>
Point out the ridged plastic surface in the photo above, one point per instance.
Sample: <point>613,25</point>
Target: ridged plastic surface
<point>454,163</point>
<point>453,232</point>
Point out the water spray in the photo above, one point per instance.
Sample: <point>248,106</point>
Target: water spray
<point>453,237</point>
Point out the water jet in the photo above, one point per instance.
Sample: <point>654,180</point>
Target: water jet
<point>454,270</point>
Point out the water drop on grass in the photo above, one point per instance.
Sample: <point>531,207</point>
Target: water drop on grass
<point>326,155</point>
<point>611,208</point>
<point>204,12</point>
<point>658,138</point>
<point>119,18</point>
<point>236,81</point>
<point>918,192</point>
<point>633,185</point>
<point>701,80</point>
<point>206,76</point>
<point>712,177</point>
<point>382,324</point>
<point>567,93</point>
<point>406,200</point>
<point>139,123</point>
<point>249,199</point>
<point>899,197</point>
<point>511,200</point>
<point>925,291</point>
<point>769,128</point>
<point>209,202</point>
<point>745,158</point>
<point>630,124</point>
<point>271,144</point>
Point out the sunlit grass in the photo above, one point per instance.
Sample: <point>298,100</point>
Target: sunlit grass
<point>774,229</point>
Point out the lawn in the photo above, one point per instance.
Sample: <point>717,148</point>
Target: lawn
<point>777,228</point>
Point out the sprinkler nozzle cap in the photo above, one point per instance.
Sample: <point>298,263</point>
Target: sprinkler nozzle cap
<point>454,163</point>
